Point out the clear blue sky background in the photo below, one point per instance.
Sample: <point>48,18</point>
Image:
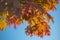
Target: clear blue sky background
<point>19,34</point>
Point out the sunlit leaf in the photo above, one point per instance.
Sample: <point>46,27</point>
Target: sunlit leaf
<point>3,25</point>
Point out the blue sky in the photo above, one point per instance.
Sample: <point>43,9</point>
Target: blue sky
<point>19,34</point>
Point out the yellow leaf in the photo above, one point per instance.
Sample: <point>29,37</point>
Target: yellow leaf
<point>3,25</point>
<point>5,14</point>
